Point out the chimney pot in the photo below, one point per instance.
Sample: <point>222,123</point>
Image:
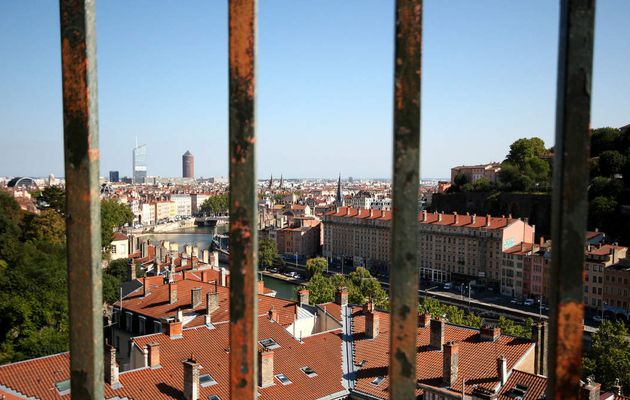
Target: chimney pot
<point>261,287</point>
<point>195,297</point>
<point>154,354</point>
<point>490,333</point>
<point>172,293</point>
<point>265,368</point>
<point>437,334</point>
<point>424,320</point>
<point>145,287</point>
<point>303,297</point>
<point>212,302</point>
<point>450,364</point>
<point>273,314</point>
<point>372,323</point>
<point>341,296</point>
<point>175,329</point>
<point>111,367</point>
<point>591,390</point>
<point>502,369</point>
<point>191,379</point>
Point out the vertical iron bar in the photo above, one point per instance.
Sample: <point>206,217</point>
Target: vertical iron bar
<point>404,271</point>
<point>83,215</point>
<point>243,235</point>
<point>570,205</point>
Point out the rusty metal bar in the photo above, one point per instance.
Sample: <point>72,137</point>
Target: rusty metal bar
<point>243,235</point>
<point>404,271</point>
<point>83,211</point>
<point>569,202</point>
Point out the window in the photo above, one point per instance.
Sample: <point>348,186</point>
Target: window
<point>128,321</point>
<point>207,380</point>
<point>63,387</point>
<point>377,381</point>
<point>214,397</point>
<point>310,372</point>
<point>269,344</point>
<point>142,321</point>
<point>283,379</point>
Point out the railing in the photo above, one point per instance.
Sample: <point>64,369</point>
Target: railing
<point>83,213</point>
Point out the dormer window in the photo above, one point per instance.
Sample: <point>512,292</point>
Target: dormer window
<point>377,381</point>
<point>63,387</point>
<point>283,379</point>
<point>207,380</point>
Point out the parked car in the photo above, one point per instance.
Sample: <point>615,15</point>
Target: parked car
<point>598,318</point>
<point>448,286</point>
<point>273,270</point>
<point>529,302</point>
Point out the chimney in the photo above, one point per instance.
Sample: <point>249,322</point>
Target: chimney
<point>260,287</point>
<point>372,322</point>
<point>341,296</point>
<point>172,293</point>
<point>455,218</point>
<point>273,314</point>
<point>542,241</point>
<point>111,366</point>
<point>436,340</point>
<point>154,354</point>
<point>303,297</point>
<point>205,276</point>
<point>265,368</point>
<point>195,297</point>
<point>540,338</point>
<point>212,302</point>
<point>439,217</point>
<point>195,251</point>
<point>502,369</point>
<point>473,219</point>
<point>145,287</point>
<point>591,390</point>
<point>204,256</point>
<point>450,364</point>
<point>223,277</point>
<point>424,320</point>
<point>191,379</point>
<point>132,271</point>
<point>424,216</point>
<point>174,329</point>
<point>195,263</point>
<point>489,333</point>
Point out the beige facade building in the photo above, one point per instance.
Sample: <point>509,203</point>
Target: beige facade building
<point>597,260</point>
<point>451,246</point>
<point>474,172</point>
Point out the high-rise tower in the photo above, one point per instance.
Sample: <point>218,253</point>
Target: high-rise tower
<point>188,165</point>
<point>139,163</point>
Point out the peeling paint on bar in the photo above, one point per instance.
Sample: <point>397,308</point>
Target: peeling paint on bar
<point>83,216</point>
<point>243,235</point>
<point>570,206</point>
<point>404,271</point>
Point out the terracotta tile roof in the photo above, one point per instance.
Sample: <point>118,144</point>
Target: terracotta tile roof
<point>520,249</point>
<point>469,221</point>
<point>604,250</point>
<point>333,309</point>
<point>119,236</point>
<point>156,304</point>
<point>536,385</point>
<point>208,346</point>
<point>477,359</point>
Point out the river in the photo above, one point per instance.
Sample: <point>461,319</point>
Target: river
<point>202,237</point>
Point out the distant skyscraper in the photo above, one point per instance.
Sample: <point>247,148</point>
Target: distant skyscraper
<point>140,163</point>
<point>188,165</point>
<point>114,176</point>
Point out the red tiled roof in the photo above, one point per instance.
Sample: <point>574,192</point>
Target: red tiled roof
<point>536,385</point>
<point>477,359</point>
<point>428,218</point>
<point>156,304</point>
<point>119,236</point>
<point>208,346</point>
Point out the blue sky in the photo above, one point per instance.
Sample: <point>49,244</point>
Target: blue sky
<point>324,83</point>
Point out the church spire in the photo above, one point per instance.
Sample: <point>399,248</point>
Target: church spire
<point>339,198</point>
<point>271,181</point>
<point>281,181</point>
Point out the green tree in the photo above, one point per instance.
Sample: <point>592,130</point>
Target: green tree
<point>113,216</point>
<point>611,162</point>
<point>267,253</point>
<point>217,204</point>
<point>120,269</point>
<point>522,150</point>
<point>460,179</point>
<point>601,210</point>
<point>603,139</point>
<point>524,168</point>
<point>321,289</point>
<point>316,266</point>
<point>111,288</point>
<point>483,185</point>
<point>609,357</point>
<point>362,285</point>
<point>48,225</point>
<point>52,197</point>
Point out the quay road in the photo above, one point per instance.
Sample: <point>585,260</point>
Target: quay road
<point>489,311</point>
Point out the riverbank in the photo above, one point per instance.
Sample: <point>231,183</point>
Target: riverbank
<point>163,228</point>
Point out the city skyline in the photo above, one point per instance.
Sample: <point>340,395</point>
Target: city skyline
<point>324,84</point>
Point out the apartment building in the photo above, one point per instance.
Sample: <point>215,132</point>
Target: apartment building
<point>617,289</point>
<point>597,259</point>
<point>475,172</point>
<point>513,269</point>
<point>183,204</point>
<point>302,238</point>
<point>451,246</point>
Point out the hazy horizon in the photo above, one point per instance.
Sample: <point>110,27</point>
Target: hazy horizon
<point>325,84</point>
